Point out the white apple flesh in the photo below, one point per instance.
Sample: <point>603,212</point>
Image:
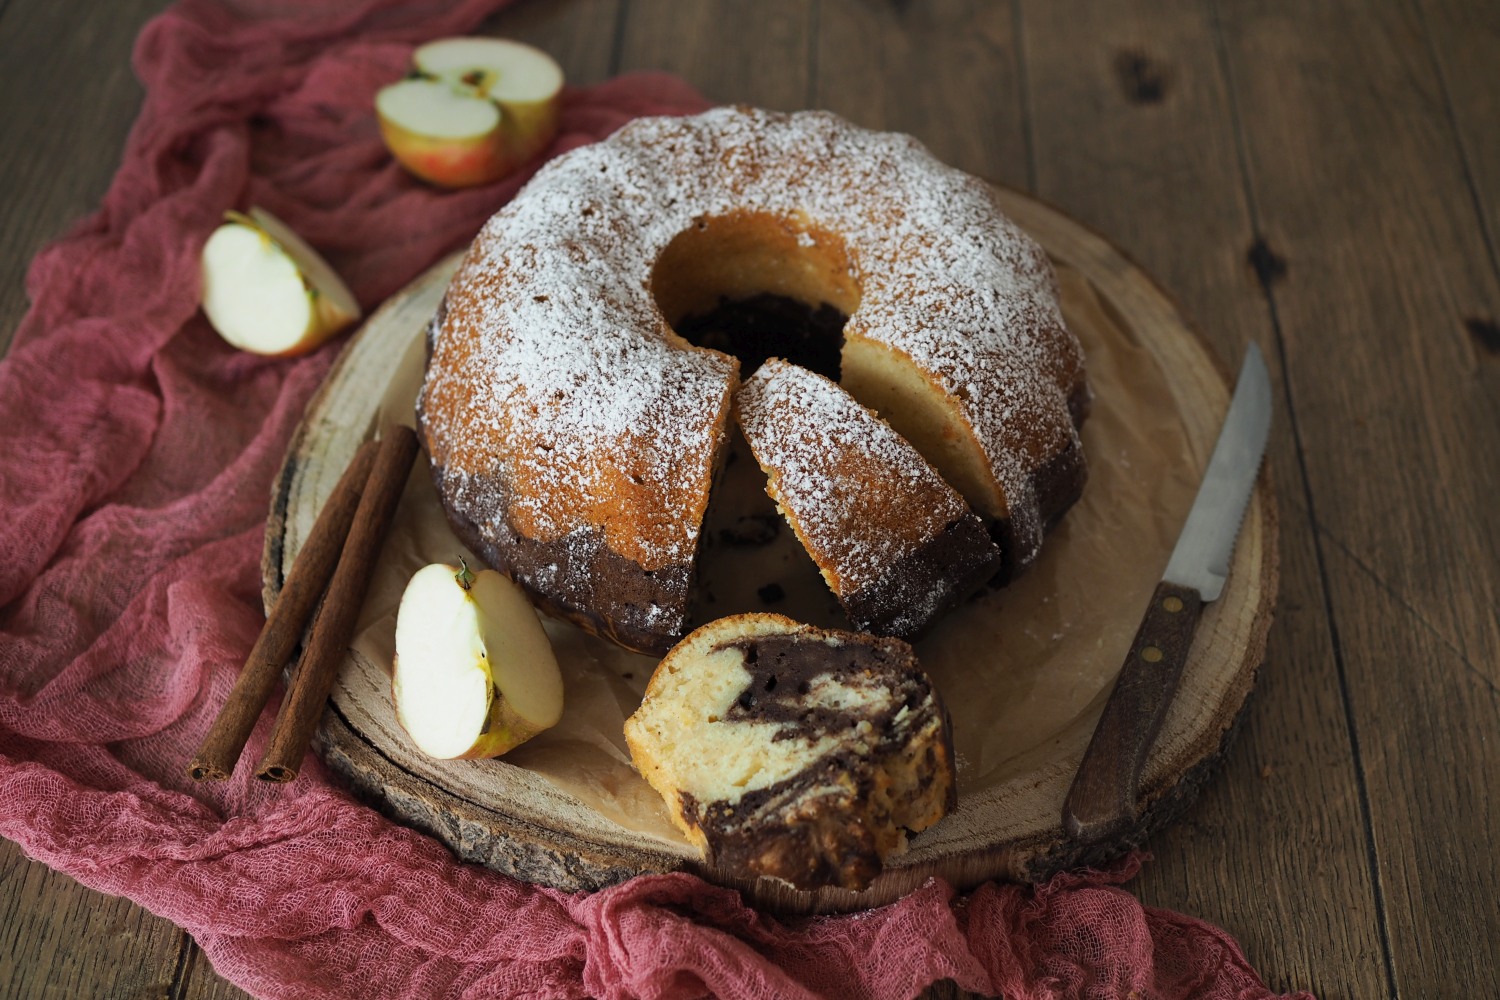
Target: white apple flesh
<point>477,109</point>
<point>475,673</point>
<point>266,291</point>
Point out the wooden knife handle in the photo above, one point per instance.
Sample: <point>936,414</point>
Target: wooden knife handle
<point>1101,803</point>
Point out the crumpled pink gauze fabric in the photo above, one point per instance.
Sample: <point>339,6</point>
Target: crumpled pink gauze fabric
<point>137,452</point>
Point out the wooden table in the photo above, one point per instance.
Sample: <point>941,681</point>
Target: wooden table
<point>1323,179</point>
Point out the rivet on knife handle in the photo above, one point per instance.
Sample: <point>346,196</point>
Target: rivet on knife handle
<point>1101,803</point>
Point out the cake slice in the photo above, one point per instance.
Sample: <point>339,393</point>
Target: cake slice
<point>996,411</point>
<point>896,544</point>
<point>798,753</point>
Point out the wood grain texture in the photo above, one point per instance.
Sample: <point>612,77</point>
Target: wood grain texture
<point>736,53</point>
<point>1401,501</point>
<point>1362,107</point>
<point>1407,692</point>
<point>1290,881</point>
<point>947,73</point>
<point>71,136</point>
<point>580,34</point>
<point>61,940</point>
<point>1464,39</point>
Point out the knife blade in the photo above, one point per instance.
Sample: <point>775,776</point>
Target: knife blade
<point>1101,802</point>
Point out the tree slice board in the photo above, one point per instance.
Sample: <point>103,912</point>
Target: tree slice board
<point>514,820</point>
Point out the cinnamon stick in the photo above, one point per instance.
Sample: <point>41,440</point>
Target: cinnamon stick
<point>331,630</point>
<point>304,585</point>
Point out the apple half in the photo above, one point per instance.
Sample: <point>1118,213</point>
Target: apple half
<point>266,291</point>
<point>473,110</point>
<point>475,673</point>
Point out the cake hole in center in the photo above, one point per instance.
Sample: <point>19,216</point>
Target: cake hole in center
<point>770,326</point>
<point>758,286</point>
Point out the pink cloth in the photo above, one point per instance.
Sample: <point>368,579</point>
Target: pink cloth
<point>136,455</point>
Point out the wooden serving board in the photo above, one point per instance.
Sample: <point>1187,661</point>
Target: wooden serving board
<point>514,819</point>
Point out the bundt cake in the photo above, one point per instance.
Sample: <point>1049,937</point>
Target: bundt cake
<point>799,753</point>
<point>574,434</point>
<point>894,542</point>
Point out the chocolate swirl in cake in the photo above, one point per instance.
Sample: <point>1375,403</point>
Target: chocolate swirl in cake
<point>783,669</point>
<point>850,746</point>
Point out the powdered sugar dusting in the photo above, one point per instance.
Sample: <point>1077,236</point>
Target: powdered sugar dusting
<point>859,495</point>
<point>556,372</point>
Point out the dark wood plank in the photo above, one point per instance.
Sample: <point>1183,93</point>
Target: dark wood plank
<point>1390,268</point>
<point>198,981</point>
<point>67,98</point>
<point>1277,851</point>
<point>735,53</point>
<point>946,989</point>
<point>1465,41</point>
<point>946,73</point>
<point>1134,137</point>
<point>60,939</point>
<point>1384,256</point>
<point>1427,719</point>
<point>579,34</point>
<point>1134,132</point>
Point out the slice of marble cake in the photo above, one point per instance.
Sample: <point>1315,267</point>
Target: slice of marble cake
<point>795,752</point>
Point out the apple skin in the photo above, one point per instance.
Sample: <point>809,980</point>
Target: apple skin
<point>507,730</point>
<point>501,636</point>
<point>518,85</point>
<point>249,258</point>
<point>525,130</point>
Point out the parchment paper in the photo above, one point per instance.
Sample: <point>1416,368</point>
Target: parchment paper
<point>1017,666</point>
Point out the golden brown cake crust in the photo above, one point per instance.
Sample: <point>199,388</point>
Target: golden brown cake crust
<point>570,428</point>
<point>896,544</point>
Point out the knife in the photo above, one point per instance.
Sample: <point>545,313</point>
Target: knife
<point>1101,802</point>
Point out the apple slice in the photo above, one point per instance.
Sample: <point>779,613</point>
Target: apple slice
<point>266,291</point>
<point>475,109</point>
<point>475,674</point>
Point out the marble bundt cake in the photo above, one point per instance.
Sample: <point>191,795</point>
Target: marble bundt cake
<point>574,435</point>
<point>794,752</point>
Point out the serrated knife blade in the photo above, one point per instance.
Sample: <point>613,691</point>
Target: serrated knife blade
<point>1101,802</point>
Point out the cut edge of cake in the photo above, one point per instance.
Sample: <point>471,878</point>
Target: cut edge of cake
<point>792,752</point>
